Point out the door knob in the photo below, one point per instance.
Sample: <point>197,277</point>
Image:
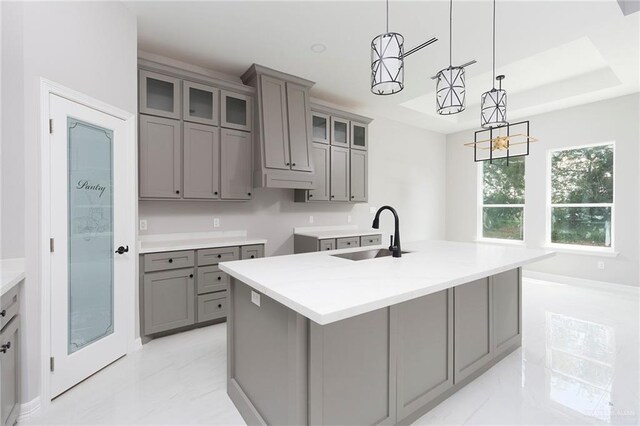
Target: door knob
<point>6,347</point>
<point>122,250</point>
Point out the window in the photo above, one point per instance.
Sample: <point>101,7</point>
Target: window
<point>581,196</point>
<point>502,215</point>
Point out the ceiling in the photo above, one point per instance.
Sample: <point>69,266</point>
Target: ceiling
<point>555,54</point>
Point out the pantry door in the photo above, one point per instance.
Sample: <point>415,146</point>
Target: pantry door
<point>90,246</point>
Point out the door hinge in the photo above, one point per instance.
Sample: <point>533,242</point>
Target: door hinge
<point>52,364</point>
<point>51,245</point>
<point>50,125</point>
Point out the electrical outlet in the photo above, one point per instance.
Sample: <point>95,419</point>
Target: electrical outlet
<point>601,264</point>
<point>310,219</point>
<point>348,218</point>
<point>372,210</point>
<point>255,298</point>
<point>143,224</point>
<point>216,222</point>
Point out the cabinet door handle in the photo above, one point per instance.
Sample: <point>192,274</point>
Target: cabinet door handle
<point>253,256</point>
<point>287,164</point>
<point>348,243</point>
<point>215,193</point>
<point>219,305</point>
<point>170,260</point>
<point>219,256</point>
<point>333,196</point>
<point>353,196</point>
<point>3,313</point>
<point>4,348</point>
<point>177,191</point>
<point>249,194</point>
<point>293,164</point>
<point>219,278</point>
<point>190,275</point>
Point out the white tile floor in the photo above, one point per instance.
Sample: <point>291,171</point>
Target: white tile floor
<point>579,364</point>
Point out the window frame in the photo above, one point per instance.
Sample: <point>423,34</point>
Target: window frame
<point>480,205</point>
<point>579,248</point>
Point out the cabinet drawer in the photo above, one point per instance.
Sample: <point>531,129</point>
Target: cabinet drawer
<point>216,255</point>
<point>9,306</point>
<point>327,245</point>
<point>252,252</point>
<point>348,242</point>
<point>168,260</point>
<point>211,278</point>
<point>370,240</point>
<point>212,306</point>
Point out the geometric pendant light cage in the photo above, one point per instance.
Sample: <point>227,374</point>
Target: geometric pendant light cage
<point>387,60</point>
<point>493,107</point>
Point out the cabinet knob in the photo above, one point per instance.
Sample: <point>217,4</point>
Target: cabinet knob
<point>348,243</point>
<point>287,164</point>
<point>353,196</point>
<point>177,191</point>
<point>249,194</point>
<point>293,164</point>
<point>215,193</point>
<point>310,195</point>
<point>333,196</point>
<point>190,275</point>
<point>3,313</point>
<point>219,278</point>
<point>219,305</point>
<point>170,260</point>
<point>4,348</point>
<point>219,256</point>
<point>252,256</point>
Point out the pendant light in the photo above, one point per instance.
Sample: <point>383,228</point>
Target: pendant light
<point>387,60</point>
<point>450,86</point>
<point>493,109</point>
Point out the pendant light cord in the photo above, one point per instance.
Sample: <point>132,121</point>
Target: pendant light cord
<point>450,31</point>
<point>387,16</point>
<point>494,44</point>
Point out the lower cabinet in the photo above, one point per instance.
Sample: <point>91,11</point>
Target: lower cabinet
<point>306,243</point>
<point>168,300</point>
<point>186,288</point>
<point>10,358</point>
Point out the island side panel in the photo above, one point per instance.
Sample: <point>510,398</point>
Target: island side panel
<point>352,370</point>
<point>267,359</point>
<point>425,351</point>
<point>507,311</point>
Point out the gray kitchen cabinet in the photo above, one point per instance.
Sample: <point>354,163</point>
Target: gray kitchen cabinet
<point>185,289</point>
<point>359,136</point>
<point>201,161</point>
<point>273,96</point>
<point>212,306</point>
<point>252,252</point>
<point>211,278</point>
<point>339,187</point>
<point>507,311</point>
<point>235,167</point>
<point>10,385</point>
<point>327,245</point>
<point>321,161</point>
<point>339,132</point>
<point>473,327</point>
<point>299,131</point>
<point>370,240</point>
<point>200,103</point>
<point>425,351</point>
<point>236,111</point>
<point>283,123</point>
<point>159,94</point>
<point>348,242</point>
<point>320,127</point>
<point>160,157</point>
<point>169,300</point>
<point>358,175</point>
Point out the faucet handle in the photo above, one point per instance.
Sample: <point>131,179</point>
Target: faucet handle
<point>390,242</point>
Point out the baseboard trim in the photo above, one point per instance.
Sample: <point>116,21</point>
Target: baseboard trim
<point>582,282</point>
<point>135,345</point>
<point>28,409</point>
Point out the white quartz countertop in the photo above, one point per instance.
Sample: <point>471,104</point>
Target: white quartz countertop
<point>193,241</point>
<point>326,289</point>
<point>11,273</point>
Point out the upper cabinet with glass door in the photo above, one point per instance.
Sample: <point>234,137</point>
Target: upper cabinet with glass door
<point>200,103</point>
<point>339,132</point>
<point>236,111</point>
<point>320,127</point>
<point>159,95</point>
<point>359,136</point>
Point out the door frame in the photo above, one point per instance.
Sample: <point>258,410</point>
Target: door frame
<point>48,88</point>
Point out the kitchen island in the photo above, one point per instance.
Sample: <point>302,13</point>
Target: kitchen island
<point>320,338</point>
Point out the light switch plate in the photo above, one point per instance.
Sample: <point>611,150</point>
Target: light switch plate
<point>348,218</point>
<point>310,219</point>
<point>216,222</point>
<point>601,264</point>
<point>372,210</point>
<point>255,298</point>
<point>143,224</point>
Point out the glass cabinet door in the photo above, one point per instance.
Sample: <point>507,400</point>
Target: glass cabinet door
<point>159,95</point>
<point>236,111</point>
<point>320,127</point>
<point>200,103</point>
<point>339,131</point>
<point>359,136</point>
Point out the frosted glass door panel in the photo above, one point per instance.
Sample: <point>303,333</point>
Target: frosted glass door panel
<point>320,126</point>
<point>340,132</point>
<point>236,111</point>
<point>160,95</point>
<point>90,233</point>
<point>200,103</point>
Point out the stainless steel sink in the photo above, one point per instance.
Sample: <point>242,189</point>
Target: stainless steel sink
<point>366,254</point>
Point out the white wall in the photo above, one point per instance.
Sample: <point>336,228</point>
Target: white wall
<point>90,47</point>
<point>406,171</point>
<point>610,120</point>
